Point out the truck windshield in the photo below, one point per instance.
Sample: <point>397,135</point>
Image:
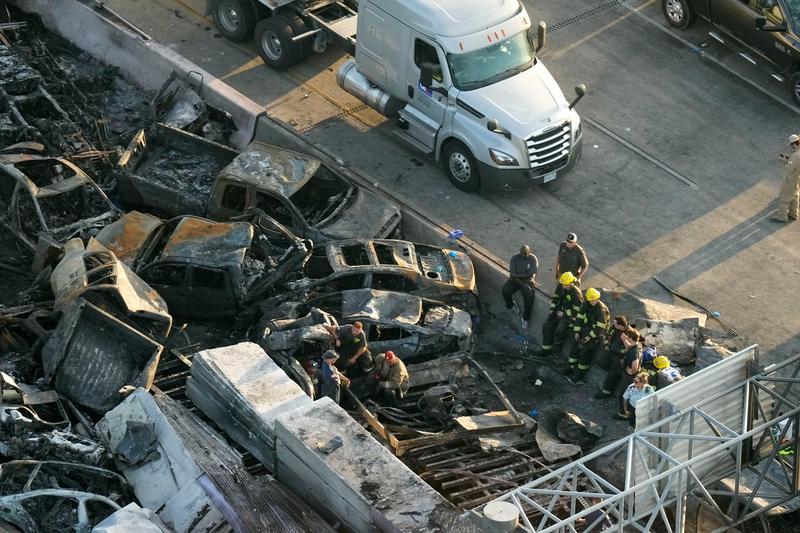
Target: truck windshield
<point>493,63</point>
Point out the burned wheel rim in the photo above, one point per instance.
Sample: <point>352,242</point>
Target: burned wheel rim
<point>228,16</point>
<point>460,167</point>
<point>674,11</point>
<point>271,45</point>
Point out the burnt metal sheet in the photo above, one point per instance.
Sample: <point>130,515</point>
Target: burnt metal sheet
<point>8,162</point>
<point>403,254</point>
<point>91,355</point>
<point>271,168</point>
<point>208,242</point>
<point>125,236</point>
<point>95,268</point>
<point>381,306</point>
<point>364,214</point>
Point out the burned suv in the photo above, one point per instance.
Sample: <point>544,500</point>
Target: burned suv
<point>206,269</point>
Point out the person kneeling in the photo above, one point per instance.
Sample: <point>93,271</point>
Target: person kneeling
<point>391,379</point>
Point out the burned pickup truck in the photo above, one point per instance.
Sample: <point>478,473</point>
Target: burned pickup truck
<point>297,190</point>
<point>206,269</point>
<point>45,201</point>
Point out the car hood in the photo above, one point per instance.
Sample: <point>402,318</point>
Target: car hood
<point>462,269</point>
<point>522,103</point>
<point>366,216</point>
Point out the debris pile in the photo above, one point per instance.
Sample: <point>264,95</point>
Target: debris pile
<point>90,335</point>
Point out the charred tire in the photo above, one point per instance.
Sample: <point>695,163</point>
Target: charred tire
<point>274,41</point>
<point>794,86</point>
<point>461,167</point>
<point>235,19</point>
<point>678,13</point>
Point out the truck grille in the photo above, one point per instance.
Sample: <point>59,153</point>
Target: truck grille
<point>549,149</point>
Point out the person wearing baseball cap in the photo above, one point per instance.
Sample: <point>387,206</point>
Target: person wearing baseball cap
<point>330,379</point>
<point>789,195</point>
<point>391,378</point>
<point>571,258</point>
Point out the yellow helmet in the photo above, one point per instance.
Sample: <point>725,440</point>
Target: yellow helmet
<point>592,294</point>
<point>567,278</point>
<point>661,362</point>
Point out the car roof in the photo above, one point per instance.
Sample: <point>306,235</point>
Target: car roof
<point>403,253</point>
<point>381,306</point>
<point>8,162</point>
<point>200,241</point>
<point>271,168</point>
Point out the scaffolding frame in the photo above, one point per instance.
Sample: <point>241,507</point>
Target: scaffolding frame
<point>657,482</point>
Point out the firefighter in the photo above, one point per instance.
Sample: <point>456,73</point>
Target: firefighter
<point>589,328</point>
<point>564,307</point>
<point>391,379</point>
<point>615,352</point>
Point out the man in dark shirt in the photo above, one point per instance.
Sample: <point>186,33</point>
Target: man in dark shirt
<point>571,258</point>
<point>351,343</point>
<point>521,277</point>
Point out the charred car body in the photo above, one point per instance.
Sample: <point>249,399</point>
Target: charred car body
<point>410,326</point>
<point>45,201</point>
<point>295,189</point>
<point>207,269</point>
<point>390,265</point>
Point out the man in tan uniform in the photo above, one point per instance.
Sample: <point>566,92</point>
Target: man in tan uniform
<point>790,188</point>
<point>391,379</point>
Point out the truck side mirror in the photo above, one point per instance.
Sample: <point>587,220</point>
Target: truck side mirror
<point>541,35</point>
<point>426,75</point>
<point>761,24</point>
<point>580,91</point>
<point>494,127</point>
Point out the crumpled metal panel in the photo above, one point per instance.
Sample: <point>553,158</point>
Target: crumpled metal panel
<point>91,355</point>
<point>70,280</point>
<point>271,168</point>
<point>125,236</point>
<point>381,305</point>
<point>208,242</point>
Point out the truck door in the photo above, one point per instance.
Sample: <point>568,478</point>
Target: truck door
<point>773,44</point>
<point>210,293</point>
<point>737,18</point>
<point>429,105</point>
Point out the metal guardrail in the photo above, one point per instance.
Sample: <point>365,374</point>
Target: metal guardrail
<point>660,483</point>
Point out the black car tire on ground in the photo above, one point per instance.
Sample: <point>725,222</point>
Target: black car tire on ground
<point>794,86</point>
<point>678,13</point>
<point>274,41</point>
<point>461,167</point>
<point>235,19</point>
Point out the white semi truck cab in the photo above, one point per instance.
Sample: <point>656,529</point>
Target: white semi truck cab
<point>460,77</point>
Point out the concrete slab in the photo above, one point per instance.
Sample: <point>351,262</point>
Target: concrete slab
<point>362,472</point>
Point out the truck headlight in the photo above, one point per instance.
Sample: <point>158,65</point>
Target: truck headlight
<point>502,158</point>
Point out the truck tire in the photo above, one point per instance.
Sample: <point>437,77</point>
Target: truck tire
<point>235,19</point>
<point>678,13</point>
<point>461,167</point>
<point>274,41</point>
<point>794,86</point>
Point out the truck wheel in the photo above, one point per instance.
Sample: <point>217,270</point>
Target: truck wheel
<point>275,45</point>
<point>794,86</point>
<point>235,19</point>
<point>678,13</point>
<point>461,167</point>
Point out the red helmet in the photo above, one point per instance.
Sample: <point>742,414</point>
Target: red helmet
<point>389,355</point>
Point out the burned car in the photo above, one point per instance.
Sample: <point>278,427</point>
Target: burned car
<point>45,201</point>
<point>207,269</point>
<point>95,274</point>
<point>177,173</point>
<point>410,326</point>
<point>303,194</point>
<point>390,265</point>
